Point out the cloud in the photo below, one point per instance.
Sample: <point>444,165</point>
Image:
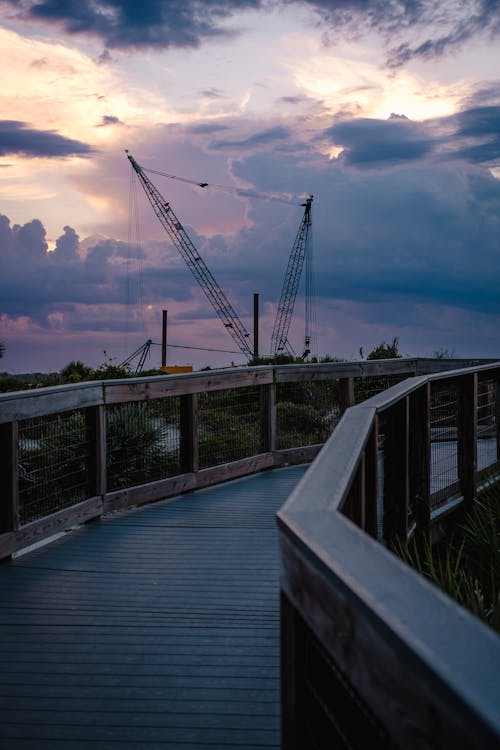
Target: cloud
<point>472,135</point>
<point>461,22</point>
<point>369,142</point>
<point>109,120</point>
<point>479,131</point>
<point>66,249</point>
<point>17,137</point>
<point>263,138</point>
<point>421,29</point>
<point>127,23</point>
<point>427,29</point>
<point>206,127</point>
<point>212,93</point>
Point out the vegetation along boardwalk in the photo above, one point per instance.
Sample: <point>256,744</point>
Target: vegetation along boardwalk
<point>152,628</point>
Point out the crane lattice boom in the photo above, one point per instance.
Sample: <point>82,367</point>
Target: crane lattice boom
<point>194,261</point>
<point>279,337</point>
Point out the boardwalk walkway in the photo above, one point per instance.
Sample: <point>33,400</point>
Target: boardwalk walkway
<point>153,628</point>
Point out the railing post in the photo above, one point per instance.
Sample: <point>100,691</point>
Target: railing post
<point>346,393</point>
<point>371,481</point>
<point>189,458</point>
<point>9,489</point>
<point>467,438</point>
<point>497,417</point>
<point>396,479</point>
<point>95,426</point>
<point>268,418</point>
<point>420,460</point>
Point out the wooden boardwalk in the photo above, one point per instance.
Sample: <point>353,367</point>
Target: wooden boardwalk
<point>153,628</point>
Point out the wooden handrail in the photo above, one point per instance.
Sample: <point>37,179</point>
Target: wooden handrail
<point>93,399</point>
<point>409,664</point>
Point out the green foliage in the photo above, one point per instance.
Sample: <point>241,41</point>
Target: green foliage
<point>74,372</point>
<point>279,359</point>
<point>231,440</point>
<point>443,353</point>
<point>366,387</point>
<point>466,566</point>
<point>52,469</point>
<point>9,384</point>
<point>229,425</point>
<point>300,424</point>
<point>385,350</point>
<point>135,452</point>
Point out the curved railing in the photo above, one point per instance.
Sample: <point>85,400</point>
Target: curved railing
<point>72,452</point>
<point>373,654</point>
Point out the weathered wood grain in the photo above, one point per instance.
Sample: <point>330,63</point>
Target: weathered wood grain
<point>64,519</point>
<point>28,404</point>
<point>157,627</point>
<point>381,622</point>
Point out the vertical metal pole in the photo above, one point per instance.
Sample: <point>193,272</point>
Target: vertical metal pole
<point>255,324</point>
<point>164,339</point>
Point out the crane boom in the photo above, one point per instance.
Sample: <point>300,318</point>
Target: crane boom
<point>279,337</point>
<point>194,261</point>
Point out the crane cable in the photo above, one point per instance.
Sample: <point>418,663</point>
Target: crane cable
<point>296,201</point>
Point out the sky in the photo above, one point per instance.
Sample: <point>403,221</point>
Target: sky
<point>387,111</point>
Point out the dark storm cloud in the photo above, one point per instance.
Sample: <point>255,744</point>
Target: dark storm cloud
<point>411,28</point>
<point>472,135</point>
<point>212,94</point>
<point>206,128</point>
<point>263,138</point>
<point>17,137</point>
<point>128,23</point>
<point>109,120</point>
<point>463,22</point>
<point>438,26</point>
<point>100,273</point>
<point>429,234</point>
<point>479,129</point>
<point>66,249</point>
<point>293,99</point>
<point>370,142</point>
<point>35,282</point>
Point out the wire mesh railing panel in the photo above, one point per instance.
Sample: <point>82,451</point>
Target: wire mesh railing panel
<point>53,467</point>
<point>487,429</point>
<point>142,442</point>
<point>228,425</point>
<point>306,413</point>
<point>369,386</point>
<point>444,444</point>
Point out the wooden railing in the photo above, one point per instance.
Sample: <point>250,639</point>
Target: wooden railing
<point>72,452</point>
<point>373,654</point>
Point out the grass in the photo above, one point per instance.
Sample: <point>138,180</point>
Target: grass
<point>466,565</point>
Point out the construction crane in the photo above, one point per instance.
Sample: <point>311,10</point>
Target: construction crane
<point>142,352</point>
<point>300,251</point>
<point>194,261</point>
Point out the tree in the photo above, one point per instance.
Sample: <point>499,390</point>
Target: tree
<point>385,350</point>
<point>2,349</point>
<point>75,371</point>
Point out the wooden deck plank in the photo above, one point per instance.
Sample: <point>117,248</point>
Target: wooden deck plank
<point>152,628</point>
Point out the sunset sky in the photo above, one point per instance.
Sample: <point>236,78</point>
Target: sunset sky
<point>387,112</point>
